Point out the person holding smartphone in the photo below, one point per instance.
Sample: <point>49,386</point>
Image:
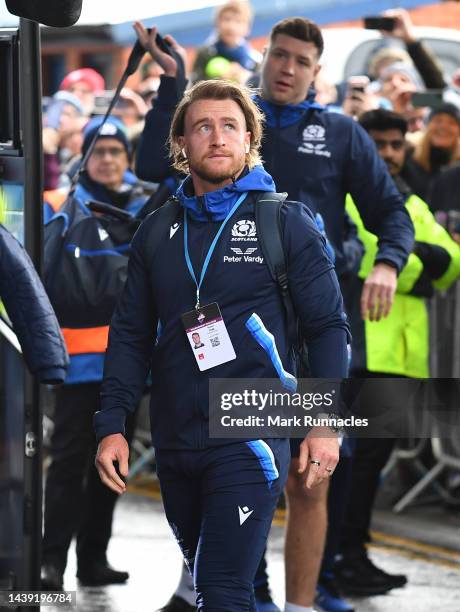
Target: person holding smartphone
<point>400,73</point>
<point>398,25</point>
<point>358,98</point>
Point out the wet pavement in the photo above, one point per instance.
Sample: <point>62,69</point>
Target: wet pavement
<point>143,545</point>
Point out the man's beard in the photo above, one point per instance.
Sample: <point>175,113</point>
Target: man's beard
<point>218,177</point>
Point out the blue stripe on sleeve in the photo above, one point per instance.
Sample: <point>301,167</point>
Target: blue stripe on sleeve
<point>267,341</point>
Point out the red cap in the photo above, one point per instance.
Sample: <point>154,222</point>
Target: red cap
<point>88,75</point>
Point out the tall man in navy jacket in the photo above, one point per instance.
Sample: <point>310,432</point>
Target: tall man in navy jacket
<point>216,134</point>
<point>317,157</point>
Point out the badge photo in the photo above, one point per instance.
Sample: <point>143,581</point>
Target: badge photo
<point>208,336</point>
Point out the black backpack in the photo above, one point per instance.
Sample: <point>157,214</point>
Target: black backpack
<point>268,221</point>
<point>84,290</point>
<point>86,258</point>
<point>86,261</point>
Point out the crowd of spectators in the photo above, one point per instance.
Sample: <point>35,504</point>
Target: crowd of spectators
<point>400,67</point>
<point>429,139</point>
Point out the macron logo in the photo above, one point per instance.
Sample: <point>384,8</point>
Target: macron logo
<point>103,235</point>
<point>173,229</point>
<point>244,513</point>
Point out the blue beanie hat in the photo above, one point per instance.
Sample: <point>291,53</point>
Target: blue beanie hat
<point>447,108</point>
<point>112,128</point>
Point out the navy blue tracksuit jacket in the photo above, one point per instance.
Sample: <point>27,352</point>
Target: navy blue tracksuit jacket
<point>219,495</point>
<point>157,293</point>
<point>317,157</point>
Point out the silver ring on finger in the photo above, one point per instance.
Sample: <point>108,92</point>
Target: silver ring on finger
<point>315,462</point>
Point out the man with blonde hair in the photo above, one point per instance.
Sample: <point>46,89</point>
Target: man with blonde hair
<point>219,494</point>
<point>316,157</point>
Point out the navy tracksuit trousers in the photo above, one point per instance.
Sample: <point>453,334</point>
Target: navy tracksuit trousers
<point>220,503</point>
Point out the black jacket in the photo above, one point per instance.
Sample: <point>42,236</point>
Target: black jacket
<point>445,190</point>
<point>31,313</point>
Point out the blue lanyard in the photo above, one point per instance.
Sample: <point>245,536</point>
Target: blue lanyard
<point>211,248</point>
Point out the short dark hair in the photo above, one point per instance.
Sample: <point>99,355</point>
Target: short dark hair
<point>383,120</point>
<point>301,28</point>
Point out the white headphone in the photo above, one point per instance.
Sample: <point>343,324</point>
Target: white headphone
<point>247,148</point>
<point>184,153</point>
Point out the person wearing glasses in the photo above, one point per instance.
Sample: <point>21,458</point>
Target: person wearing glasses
<point>76,502</point>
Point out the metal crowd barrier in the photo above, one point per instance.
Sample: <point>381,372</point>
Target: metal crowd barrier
<point>444,314</point>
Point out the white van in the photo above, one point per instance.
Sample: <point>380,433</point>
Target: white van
<point>347,50</point>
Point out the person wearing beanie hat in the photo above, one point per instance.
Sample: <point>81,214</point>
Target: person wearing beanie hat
<point>113,129</point>
<point>413,52</point>
<point>397,84</point>
<point>406,73</point>
<point>93,79</point>
<point>384,57</point>
<point>57,103</point>
<point>64,118</point>
<point>130,108</point>
<point>447,108</point>
<point>84,83</point>
<point>76,501</point>
<point>438,148</point>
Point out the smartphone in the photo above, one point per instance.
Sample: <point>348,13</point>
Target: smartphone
<point>431,97</point>
<point>380,23</point>
<point>358,83</point>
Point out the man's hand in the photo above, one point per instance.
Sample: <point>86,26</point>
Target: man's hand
<point>401,98</point>
<point>148,41</point>
<point>358,102</point>
<point>378,292</point>
<point>319,455</point>
<point>403,25</point>
<point>50,138</point>
<point>111,449</point>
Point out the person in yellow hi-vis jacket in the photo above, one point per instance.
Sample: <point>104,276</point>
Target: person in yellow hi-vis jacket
<point>395,346</point>
<point>399,344</point>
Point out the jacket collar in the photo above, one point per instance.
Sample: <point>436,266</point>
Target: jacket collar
<point>283,115</point>
<point>215,205</point>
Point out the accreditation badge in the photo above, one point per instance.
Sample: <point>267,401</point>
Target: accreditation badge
<point>208,336</point>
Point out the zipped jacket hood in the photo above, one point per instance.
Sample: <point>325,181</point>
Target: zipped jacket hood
<point>215,205</point>
<point>282,115</point>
